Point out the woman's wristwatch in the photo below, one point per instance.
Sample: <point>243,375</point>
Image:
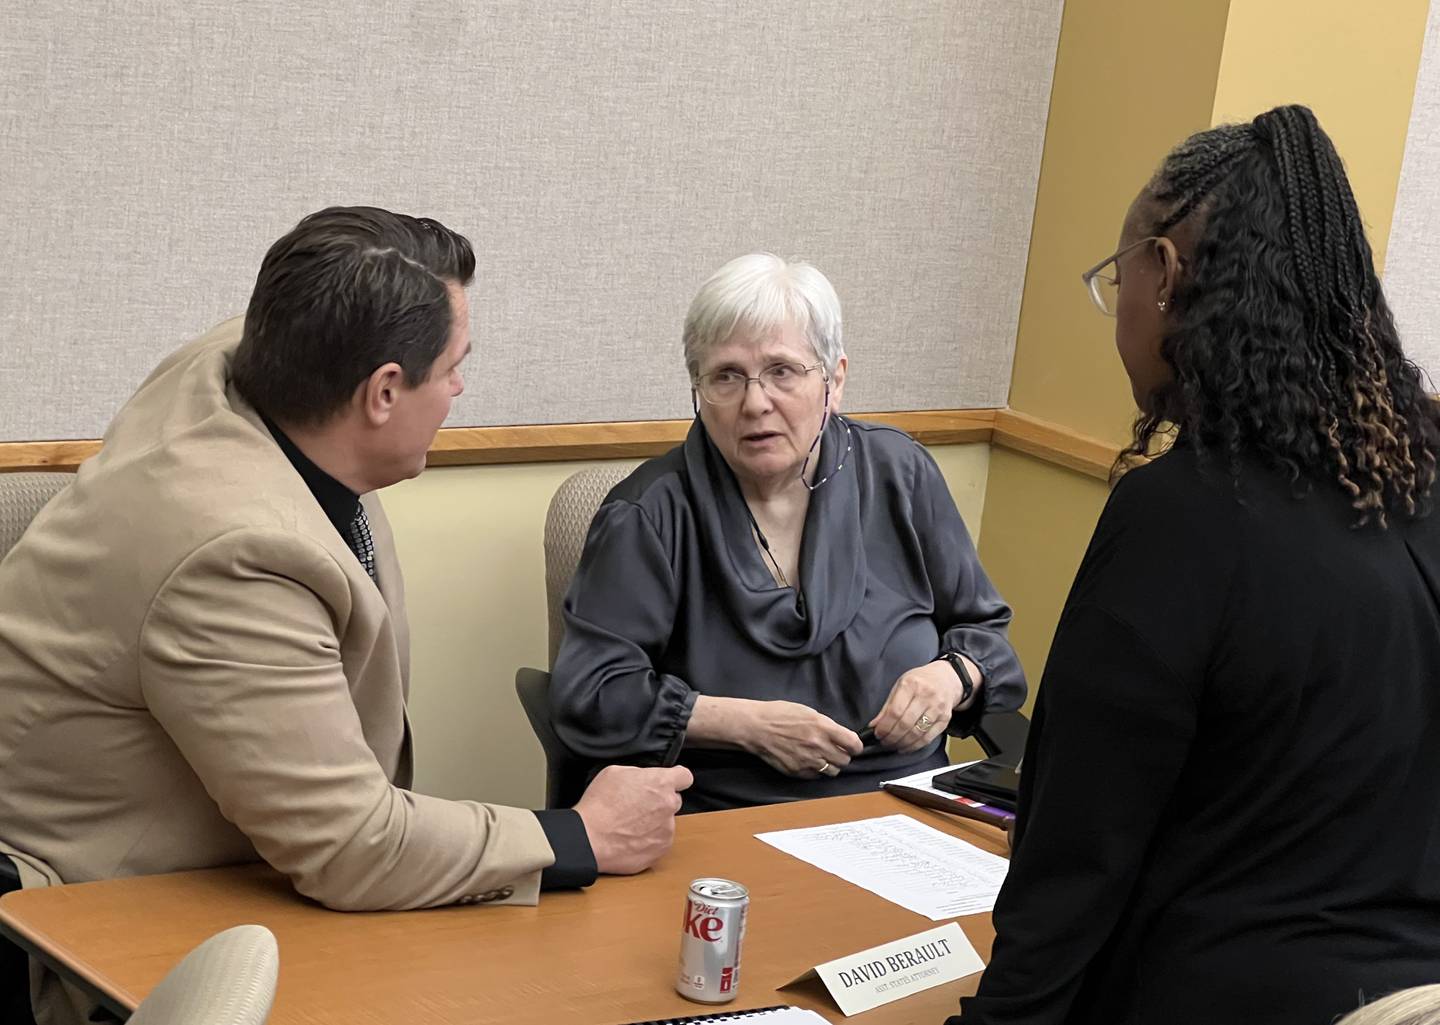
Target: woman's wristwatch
<point>958,664</point>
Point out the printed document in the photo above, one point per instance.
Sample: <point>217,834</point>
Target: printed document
<point>907,862</point>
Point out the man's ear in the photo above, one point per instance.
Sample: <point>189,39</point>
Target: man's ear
<point>379,392</point>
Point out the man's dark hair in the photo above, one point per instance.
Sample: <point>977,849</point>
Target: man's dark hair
<point>1282,343</point>
<point>347,290</point>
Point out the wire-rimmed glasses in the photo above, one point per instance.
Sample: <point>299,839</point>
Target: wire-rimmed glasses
<point>727,387</point>
<point>1104,289</point>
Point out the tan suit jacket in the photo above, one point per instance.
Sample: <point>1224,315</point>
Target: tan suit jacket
<point>197,671</point>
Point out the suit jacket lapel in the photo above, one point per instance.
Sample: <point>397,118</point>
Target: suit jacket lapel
<point>392,589</point>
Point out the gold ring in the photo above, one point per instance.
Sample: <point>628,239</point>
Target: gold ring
<point>824,768</point>
<point>924,723</point>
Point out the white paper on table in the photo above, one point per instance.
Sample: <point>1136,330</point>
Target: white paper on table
<point>907,862</point>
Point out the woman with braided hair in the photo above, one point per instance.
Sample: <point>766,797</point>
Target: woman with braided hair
<point>1230,800</point>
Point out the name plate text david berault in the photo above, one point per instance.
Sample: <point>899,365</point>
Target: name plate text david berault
<point>897,969</point>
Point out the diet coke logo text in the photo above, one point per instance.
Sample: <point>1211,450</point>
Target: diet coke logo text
<point>702,922</point>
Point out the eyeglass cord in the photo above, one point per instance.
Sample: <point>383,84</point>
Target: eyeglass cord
<point>765,547</point>
<point>849,447</point>
<point>755,525</point>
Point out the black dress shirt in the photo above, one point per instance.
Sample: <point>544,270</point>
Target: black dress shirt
<point>574,859</point>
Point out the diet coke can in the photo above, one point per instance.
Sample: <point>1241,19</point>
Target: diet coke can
<point>710,939</point>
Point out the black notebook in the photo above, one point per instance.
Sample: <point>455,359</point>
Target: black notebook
<point>771,1015</point>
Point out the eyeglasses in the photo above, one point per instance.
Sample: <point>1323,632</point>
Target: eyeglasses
<point>726,387</point>
<point>1105,288</point>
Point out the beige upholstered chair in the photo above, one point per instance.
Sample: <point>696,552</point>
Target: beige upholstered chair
<point>227,980</point>
<point>22,495</point>
<point>566,524</point>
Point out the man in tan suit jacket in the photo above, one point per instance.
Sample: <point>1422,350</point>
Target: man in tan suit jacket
<point>203,645</point>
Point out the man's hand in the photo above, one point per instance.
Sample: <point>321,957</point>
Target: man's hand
<point>629,815</point>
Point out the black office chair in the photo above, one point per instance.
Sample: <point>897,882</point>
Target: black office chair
<point>566,773</point>
<point>1002,735</point>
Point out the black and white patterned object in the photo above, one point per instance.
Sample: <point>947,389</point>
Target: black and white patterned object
<point>360,541</point>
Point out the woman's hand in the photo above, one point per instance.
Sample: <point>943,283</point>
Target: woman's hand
<point>799,741</point>
<point>792,738</point>
<point>921,703</point>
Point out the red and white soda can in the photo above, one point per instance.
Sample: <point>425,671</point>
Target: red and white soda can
<point>710,939</point>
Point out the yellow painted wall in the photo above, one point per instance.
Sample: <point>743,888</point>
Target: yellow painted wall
<point>470,543</point>
<point>1132,79</point>
<point>1042,518</point>
<point>1354,64</point>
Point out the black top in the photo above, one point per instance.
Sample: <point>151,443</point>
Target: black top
<point>574,860</point>
<point>673,599</point>
<point>1230,799</point>
<point>339,504</point>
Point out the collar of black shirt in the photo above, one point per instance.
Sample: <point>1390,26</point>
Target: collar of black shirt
<point>339,503</point>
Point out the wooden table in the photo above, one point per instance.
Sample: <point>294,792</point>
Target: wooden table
<point>605,955</point>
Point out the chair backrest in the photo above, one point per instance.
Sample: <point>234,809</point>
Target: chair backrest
<point>22,495</point>
<point>227,980</point>
<point>565,773</point>
<point>566,525</point>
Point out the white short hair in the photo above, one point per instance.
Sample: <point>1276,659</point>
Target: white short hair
<point>759,294</point>
<point>1418,1006</point>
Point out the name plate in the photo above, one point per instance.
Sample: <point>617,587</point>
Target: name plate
<point>897,969</point>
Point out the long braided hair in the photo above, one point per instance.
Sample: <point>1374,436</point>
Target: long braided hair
<point>1281,342</point>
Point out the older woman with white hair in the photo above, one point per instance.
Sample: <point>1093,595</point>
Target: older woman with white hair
<point>788,602</point>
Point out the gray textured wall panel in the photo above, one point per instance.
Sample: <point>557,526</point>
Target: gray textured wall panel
<point>604,157</point>
<point>1412,258</point>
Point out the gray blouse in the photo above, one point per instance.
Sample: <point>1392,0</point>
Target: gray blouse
<point>672,599</point>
